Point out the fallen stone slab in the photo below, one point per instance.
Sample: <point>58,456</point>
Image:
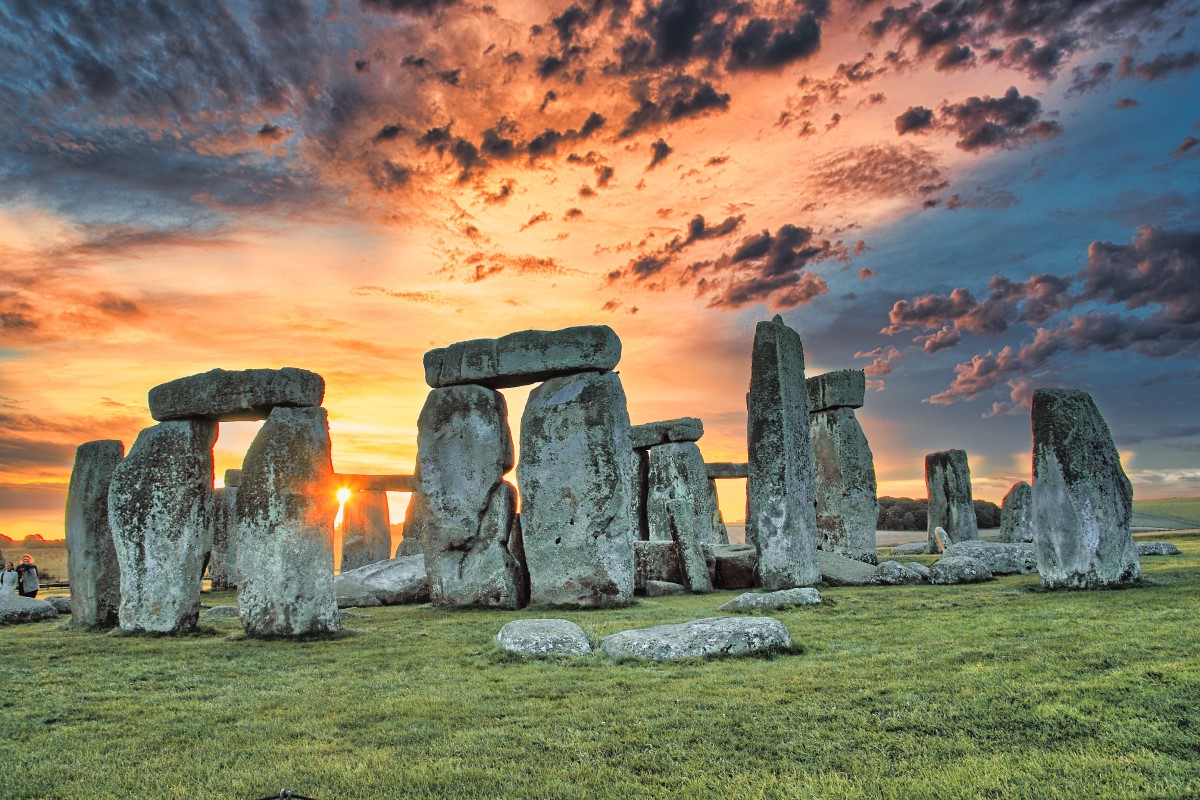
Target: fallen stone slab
<point>893,573</point>
<point>958,569</point>
<point>543,637</point>
<point>649,434</point>
<point>735,566</point>
<point>400,581</point>
<point>219,612</point>
<point>61,604</point>
<point>239,395</point>
<point>1156,549</point>
<point>703,638</point>
<point>844,388</point>
<point>17,610</point>
<point>525,357</point>
<point>1002,558</point>
<point>919,568</point>
<point>911,549</point>
<point>841,571</point>
<point>764,601</point>
<point>663,588</point>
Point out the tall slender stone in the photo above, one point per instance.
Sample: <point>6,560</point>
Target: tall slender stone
<point>677,473</point>
<point>227,564</point>
<point>224,517</point>
<point>366,530</point>
<point>577,515</point>
<point>92,568</point>
<point>948,480</point>
<point>780,491</point>
<point>684,525</point>
<point>1082,499</point>
<point>847,505</point>
<point>414,525</point>
<point>160,508</point>
<point>464,448</point>
<point>1016,514</point>
<point>720,532</point>
<point>286,506</point>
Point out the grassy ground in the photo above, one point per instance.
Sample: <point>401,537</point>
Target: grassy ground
<point>1180,509</point>
<point>994,691</point>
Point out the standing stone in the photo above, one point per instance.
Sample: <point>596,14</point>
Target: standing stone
<point>684,525</point>
<point>641,493</point>
<point>948,479</point>
<point>286,506</point>
<point>677,473</point>
<point>1082,500</point>
<point>225,395</point>
<point>575,479</point>
<point>160,508</point>
<point>366,530</point>
<point>224,515</point>
<point>523,357</point>
<point>1016,514</point>
<point>464,448</point>
<point>782,520</point>
<point>413,532</point>
<point>226,567</point>
<point>847,506</point>
<point>92,568</point>
<point>720,532</point>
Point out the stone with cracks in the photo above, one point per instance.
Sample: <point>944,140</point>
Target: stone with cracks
<point>17,610</point>
<point>389,583</point>
<point>735,565</point>
<point>576,479</point>
<point>893,573</point>
<point>650,434</point>
<point>948,480</point>
<point>919,568</point>
<point>683,527</point>
<point>366,530</point>
<point>656,561</point>
<point>160,513</point>
<point>676,472</point>
<point>958,569</point>
<point>414,525</point>
<point>286,506</point>
<point>222,571</point>
<point>1082,500</point>
<point>1016,514</point>
<point>1002,558</point>
<point>61,604</point>
<point>847,506</point>
<point>92,568</point>
<point>782,521</point>
<point>463,450</point>
<point>841,571</point>
<point>523,358</point>
<point>230,396</point>
<point>1156,549</point>
<point>772,601</point>
<point>703,638</point>
<point>845,388</point>
<point>543,637</point>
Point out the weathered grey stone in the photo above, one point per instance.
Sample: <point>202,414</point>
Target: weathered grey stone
<point>1001,558</point>
<point>640,463</point>
<point>1082,500</point>
<point>782,521</point>
<point>656,561</point>
<point>524,357</point>
<point>1156,549</point>
<point>703,638</point>
<point>92,568</point>
<point>847,506</point>
<point>677,473</point>
<point>413,532</point>
<point>575,476</point>
<point>62,605</point>
<point>463,450</point>
<point>727,469</point>
<point>683,528</point>
<point>543,637</point>
<point>1016,514</point>
<point>735,565</point>
<point>845,388</point>
<point>940,540</point>
<point>948,479</point>
<point>17,610</point>
<point>222,564</point>
<point>958,569</point>
<point>919,568</point>
<point>911,549</point>
<point>650,434</point>
<point>400,581</point>
<point>224,395</point>
<point>663,588</point>
<point>233,478</point>
<point>841,571</point>
<point>160,510</point>
<point>720,533</point>
<point>219,612</point>
<point>409,547</point>
<point>772,601</point>
<point>893,573</point>
<point>366,530</point>
<point>286,506</point>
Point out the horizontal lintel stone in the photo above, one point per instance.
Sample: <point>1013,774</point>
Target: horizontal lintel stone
<point>845,388</point>
<point>684,429</point>
<point>524,357</point>
<point>236,395</point>
<point>727,469</point>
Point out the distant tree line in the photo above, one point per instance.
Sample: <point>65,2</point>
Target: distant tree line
<point>906,514</point>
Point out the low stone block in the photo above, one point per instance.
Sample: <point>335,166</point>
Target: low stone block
<point>911,549</point>
<point>61,604</point>
<point>703,638</point>
<point>735,565</point>
<point>764,601</point>
<point>229,396</point>
<point>17,610</point>
<point>1002,558</point>
<point>390,583</point>
<point>893,573</point>
<point>649,434</point>
<point>959,569</point>
<point>219,612</point>
<point>1156,549</point>
<point>663,589</point>
<point>845,388</point>
<point>656,561</point>
<point>525,357</point>
<point>543,637</point>
<point>919,568</point>
<point>841,571</point>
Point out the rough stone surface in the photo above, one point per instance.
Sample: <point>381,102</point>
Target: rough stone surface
<point>1082,500</point>
<point>286,506</point>
<point>940,540</point>
<point>524,357</point>
<point>676,472</point>
<point>720,533</point>
<point>223,567</point>
<point>782,521</point>
<point>543,637</point>
<point>409,547</point>
<point>911,549</point>
<point>61,604</point>
<point>845,388</point>
<point>959,569</point>
<point>893,573</point>
<point>736,566</point>
<point>663,589</point>
<point>703,638</point>
<point>1156,549</point>
<point>656,561</point>
<point>397,582</point>
<point>841,571</point>
<point>771,601</point>
<point>1016,514</point>
<point>649,434</point>
<point>366,530</point>
<point>413,533</point>
<point>16,610</point>
<point>919,568</point>
<point>1001,558</point>
<point>233,478</point>
<point>229,396</point>
<point>683,526</point>
<point>847,506</point>
<point>575,476</point>
<point>948,480</point>
<point>463,450</point>
<point>160,512</point>
<point>219,612</point>
<point>92,568</point>
<point>727,469</point>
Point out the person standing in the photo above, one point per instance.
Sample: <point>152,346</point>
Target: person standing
<point>8,579</point>
<point>27,577</point>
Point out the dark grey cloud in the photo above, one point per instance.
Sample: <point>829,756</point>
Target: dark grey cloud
<point>998,122</point>
<point>1188,148</point>
<point>659,152</point>
<point>671,99</point>
<point>916,118</point>
<point>1085,80</point>
<point>880,171</point>
<point>1160,66</point>
<point>651,264</point>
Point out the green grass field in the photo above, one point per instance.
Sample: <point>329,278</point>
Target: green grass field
<point>994,690</point>
<point>1180,509</point>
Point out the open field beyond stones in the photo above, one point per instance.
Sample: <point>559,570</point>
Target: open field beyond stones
<point>993,690</point>
<point>1179,509</point>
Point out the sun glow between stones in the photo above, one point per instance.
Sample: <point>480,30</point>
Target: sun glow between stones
<point>343,494</point>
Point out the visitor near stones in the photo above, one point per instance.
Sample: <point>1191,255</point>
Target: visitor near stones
<point>27,577</point>
<point>8,579</point>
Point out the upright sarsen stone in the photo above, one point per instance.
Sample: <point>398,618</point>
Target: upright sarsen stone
<point>948,480</point>
<point>224,521</point>
<point>782,522</point>
<point>575,477</point>
<point>286,506</point>
<point>366,530</point>
<point>847,505</point>
<point>1082,500</point>
<point>1016,514</point>
<point>677,472</point>
<point>159,508</point>
<point>92,568</point>
<point>524,357</point>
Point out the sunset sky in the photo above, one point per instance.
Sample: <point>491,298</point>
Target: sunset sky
<point>968,199</point>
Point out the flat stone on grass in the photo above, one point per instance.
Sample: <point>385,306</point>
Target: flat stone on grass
<point>893,573</point>
<point>543,637</point>
<point>784,598</point>
<point>841,571</point>
<point>958,569</point>
<point>1001,558</point>
<point>663,588</point>
<point>15,610</point>
<point>1156,549</point>
<point>911,549</point>
<point>704,638</point>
